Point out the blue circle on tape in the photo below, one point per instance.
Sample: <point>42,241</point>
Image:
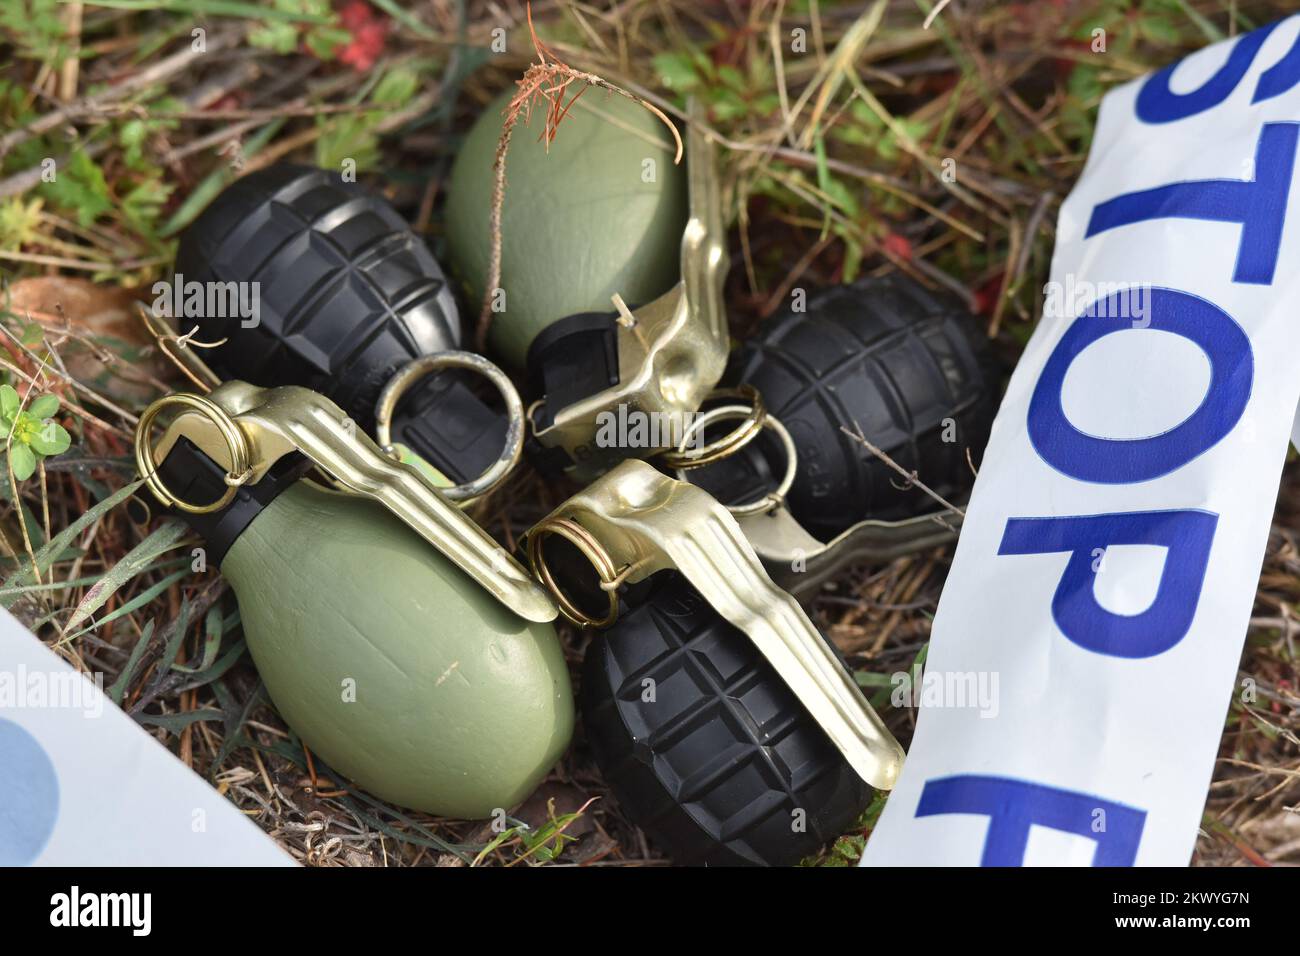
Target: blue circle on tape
<point>29,796</point>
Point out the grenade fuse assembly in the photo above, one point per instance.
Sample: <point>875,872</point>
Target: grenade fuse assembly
<point>881,365</point>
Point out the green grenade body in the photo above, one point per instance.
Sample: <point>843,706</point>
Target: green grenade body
<point>600,211</point>
<point>391,663</point>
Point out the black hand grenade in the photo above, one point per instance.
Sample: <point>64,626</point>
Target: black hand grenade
<point>347,295</point>
<point>885,355</point>
<point>703,744</point>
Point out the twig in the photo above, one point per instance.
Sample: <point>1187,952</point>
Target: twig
<point>162,70</point>
<point>930,17</point>
<point>911,476</point>
<point>76,386</point>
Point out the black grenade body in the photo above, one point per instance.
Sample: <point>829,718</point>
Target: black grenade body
<point>889,357</point>
<point>704,745</point>
<point>347,294</point>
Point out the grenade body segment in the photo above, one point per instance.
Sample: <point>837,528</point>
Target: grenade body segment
<point>886,356</point>
<point>390,663</point>
<point>403,644</point>
<point>704,745</point>
<point>598,211</point>
<point>346,291</point>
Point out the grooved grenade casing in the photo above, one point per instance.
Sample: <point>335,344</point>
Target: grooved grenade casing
<point>883,358</point>
<point>753,703</point>
<point>703,743</point>
<point>347,294</point>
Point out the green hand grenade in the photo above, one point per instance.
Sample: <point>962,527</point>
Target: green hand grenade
<point>598,211</point>
<point>398,641</point>
<point>611,274</point>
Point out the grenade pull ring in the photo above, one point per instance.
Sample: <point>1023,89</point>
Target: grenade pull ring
<point>146,462</point>
<point>593,551</point>
<point>255,427</point>
<point>754,415</point>
<point>643,521</point>
<point>774,498</point>
<point>777,536</point>
<point>417,369</point>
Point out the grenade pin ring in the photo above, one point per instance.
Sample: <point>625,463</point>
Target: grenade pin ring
<point>413,371</point>
<point>774,498</point>
<point>236,442</point>
<point>754,415</point>
<point>593,551</point>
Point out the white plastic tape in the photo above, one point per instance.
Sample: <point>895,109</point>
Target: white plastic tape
<point>81,784</point>
<point>1110,555</point>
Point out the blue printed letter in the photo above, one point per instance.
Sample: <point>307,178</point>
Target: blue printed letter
<point>1116,461</point>
<point>1156,103</point>
<point>1258,205</point>
<point>1187,536</point>
<point>1013,806</point>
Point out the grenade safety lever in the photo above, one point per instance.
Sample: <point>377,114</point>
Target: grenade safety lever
<point>670,352</point>
<point>797,560</point>
<point>249,429</point>
<point>635,521</point>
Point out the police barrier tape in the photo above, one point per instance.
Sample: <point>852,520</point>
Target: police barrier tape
<point>1112,547</point>
<point>82,784</point>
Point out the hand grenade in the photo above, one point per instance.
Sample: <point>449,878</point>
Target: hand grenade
<point>889,357</point>
<point>348,295</point>
<point>881,357</point>
<point>611,272</point>
<point>718,713</point>
<point>401,643</point>
<point>702,742</point>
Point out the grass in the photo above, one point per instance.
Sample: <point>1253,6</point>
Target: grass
<point>855,140</point>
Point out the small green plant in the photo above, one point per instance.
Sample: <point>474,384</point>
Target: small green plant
<point>30,435</point>
<point>309,22</point>
<point>545,843</point>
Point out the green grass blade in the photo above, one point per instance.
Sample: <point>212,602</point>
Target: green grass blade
<point>213,8</point>
<point>1210,31</point>
<point>175,723</point>
<point>136,561</point>
<point>63,540</point>
<point>405,19</point>
<point>137,602</point>
<point>118,688</point>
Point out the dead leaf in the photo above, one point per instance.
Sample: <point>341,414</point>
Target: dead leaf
<point>119,349</point>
